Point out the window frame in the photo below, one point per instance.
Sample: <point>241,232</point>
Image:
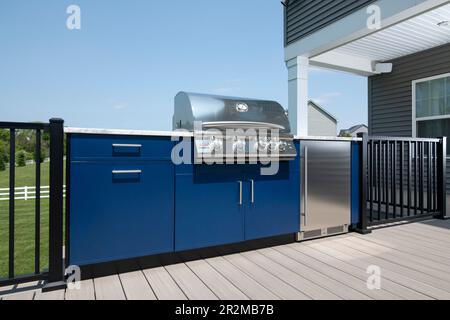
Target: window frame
<point>415,119</point>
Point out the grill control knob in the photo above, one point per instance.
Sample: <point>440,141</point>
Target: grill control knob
<point>274,146</point>
<point>239,146</point>
<point>263,145</point>
<point>283,146</point>
<point>216,145</point>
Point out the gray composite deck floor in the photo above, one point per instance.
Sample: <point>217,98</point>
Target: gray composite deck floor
<point>414,260</point>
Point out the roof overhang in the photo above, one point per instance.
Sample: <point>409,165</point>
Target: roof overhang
<point>407,27</point>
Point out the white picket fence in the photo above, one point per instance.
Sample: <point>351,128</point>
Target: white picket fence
<point>27,193</point>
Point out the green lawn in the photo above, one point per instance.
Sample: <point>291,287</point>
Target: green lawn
<point>25,176</point>
<point>24,236</point>
<point>24,223</point>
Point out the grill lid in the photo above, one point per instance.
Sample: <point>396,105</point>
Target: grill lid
<point>221,112</point>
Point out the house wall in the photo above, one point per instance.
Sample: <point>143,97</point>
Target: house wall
<point>360,130</point>
<point>303,17</point>
<point>319,124</point>
<point>390,95</point>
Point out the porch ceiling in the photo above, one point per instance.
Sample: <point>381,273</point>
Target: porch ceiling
<point>410,36</point>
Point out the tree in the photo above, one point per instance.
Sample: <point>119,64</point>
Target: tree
<point>2,165</point>
<point>21,158</point>
<point>4,151</point>
<point>4,135</point>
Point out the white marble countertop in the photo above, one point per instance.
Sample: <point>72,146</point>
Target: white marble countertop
<point>153,133</point>
<point>125,132</point>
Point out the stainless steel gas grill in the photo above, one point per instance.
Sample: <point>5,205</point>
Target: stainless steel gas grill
<point>228,127</point>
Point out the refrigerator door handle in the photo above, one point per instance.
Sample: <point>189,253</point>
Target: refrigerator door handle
<point>305,200</point>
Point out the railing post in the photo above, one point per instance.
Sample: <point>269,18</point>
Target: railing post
<point>56,265</point>
<point>362,226</point>
<point>442,179</point>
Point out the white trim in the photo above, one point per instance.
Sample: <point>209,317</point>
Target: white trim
<point>414,118</point>
<point>344,62</point>
<point>354,26</point>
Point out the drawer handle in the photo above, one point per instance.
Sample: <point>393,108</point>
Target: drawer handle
<point>127,171</point>
<point>127,145</point>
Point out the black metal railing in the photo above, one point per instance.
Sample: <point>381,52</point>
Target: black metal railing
<point>54,276</point>
<point>402,179</point>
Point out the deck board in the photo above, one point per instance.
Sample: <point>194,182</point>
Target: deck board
<point>191,285</point>
<point>436,268</point>
<point>300,282</point>
<point>109,288</point>
<point>241,280</point>
<point>405,246</point>
<point>222,288</point>
<point>407,268</point>
<point>136,286</point>
<point>266,279</point>
<point>345,274</point>
<point>163,285</point>
<point>412,243</point>
<point>340,289</point>
<point>390,271</point>
<point>52,295</point>
<point>389,285</point>
<point>25,291</point>
<point>85,292</point>
<point>413,260</point>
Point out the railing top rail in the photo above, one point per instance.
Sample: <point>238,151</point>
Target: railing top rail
<point>399,139</point>
<point>24,125</point>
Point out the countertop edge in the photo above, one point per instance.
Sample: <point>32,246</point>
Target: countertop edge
<point>154,133</point>
<point>125,132</point>
<point>328,139</point>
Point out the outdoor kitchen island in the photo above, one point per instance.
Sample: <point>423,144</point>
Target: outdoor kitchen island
<point>127,199</point>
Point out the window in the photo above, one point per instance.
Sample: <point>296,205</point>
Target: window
<point>431,107</point>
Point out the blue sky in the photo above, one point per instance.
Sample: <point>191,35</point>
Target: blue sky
<point>130,58</point>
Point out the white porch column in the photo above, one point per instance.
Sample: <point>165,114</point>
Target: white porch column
<point>298,95</point>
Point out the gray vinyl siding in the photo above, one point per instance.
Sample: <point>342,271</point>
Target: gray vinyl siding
<point>320,124</point>
<point>390,95</point>
<point>303,17</point>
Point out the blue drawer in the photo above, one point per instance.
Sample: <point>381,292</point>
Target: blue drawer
<point>107,147</point>
<point>120,210</point>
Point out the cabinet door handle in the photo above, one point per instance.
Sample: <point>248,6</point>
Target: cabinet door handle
<point>305,200</point>
<point>253,190</point>
<point>118,145</point>
<point>127,171</point>
<point>240,192</point>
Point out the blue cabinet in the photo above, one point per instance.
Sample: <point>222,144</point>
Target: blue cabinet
<point>223,204</point>
<point>86,147</point>
<point>119,208</point>
<point>272,204</point>
<point>208,207</point>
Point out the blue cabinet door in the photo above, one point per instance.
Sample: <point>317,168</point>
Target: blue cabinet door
<point>120,210</point>
<point>208,209</point>
<point>272,202</point>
